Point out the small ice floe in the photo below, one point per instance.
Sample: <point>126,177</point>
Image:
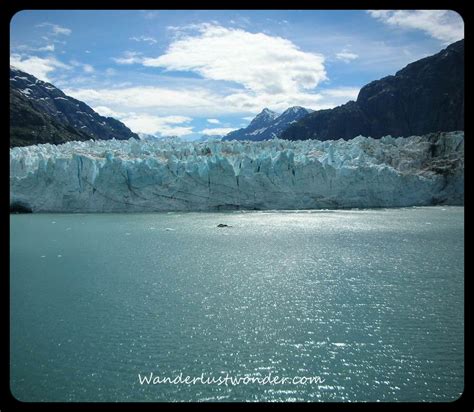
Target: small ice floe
<point>152,228</point>
<point>340,345</point>
<point>127,234</point>
<point>53,222</point>
<point>60,256</point>
<point>43,256</point>
<point>169,229</point>
<point>68,228</point>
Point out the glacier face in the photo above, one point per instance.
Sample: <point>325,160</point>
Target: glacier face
<point>145,176</point>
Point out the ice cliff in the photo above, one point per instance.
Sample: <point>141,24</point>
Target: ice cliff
<point>143,176</point>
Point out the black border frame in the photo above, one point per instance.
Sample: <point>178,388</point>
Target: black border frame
<point>10,7</point>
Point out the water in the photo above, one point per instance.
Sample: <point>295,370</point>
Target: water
<point>371,301</point>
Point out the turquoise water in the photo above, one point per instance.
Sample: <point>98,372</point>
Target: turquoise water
<point>371,301</point>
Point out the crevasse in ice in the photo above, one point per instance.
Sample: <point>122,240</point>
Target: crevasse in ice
<point>145,176</point>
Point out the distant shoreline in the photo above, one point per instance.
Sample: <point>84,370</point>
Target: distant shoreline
<point>163,212</point>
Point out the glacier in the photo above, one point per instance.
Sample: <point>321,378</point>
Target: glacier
<point>147,176</point>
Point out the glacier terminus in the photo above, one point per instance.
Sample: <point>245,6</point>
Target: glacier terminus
<point>147,176</point>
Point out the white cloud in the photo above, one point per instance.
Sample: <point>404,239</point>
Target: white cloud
<point>166,126</point>
<point>346,56</point>
<point>346,93</point>
<point>110,71</point>
<point>129,57</point>
<point>88,68</point>
<point>242,72</point>
<point>108,112</point>
<point>149,97</point>
<point>444,25</point>
<point>193,101</point>
<point>267,71</point>
<point>24,48</point>
<point>37,66</point>
<point>145,39</point>
<point>245,102</point>
<point>218,131</point>
<point>150,124</point>
<point>257,61</point>
<point>56,29</point>
<point>49,47</point>
<point>152,110</point>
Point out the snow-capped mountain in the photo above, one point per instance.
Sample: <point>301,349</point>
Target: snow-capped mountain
<point>145,176</point>
<point>41,113</point>
<point>268,124</point>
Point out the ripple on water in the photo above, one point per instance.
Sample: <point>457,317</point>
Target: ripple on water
<point>369,300</point>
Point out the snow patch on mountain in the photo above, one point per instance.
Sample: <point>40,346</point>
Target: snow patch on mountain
<point>268,124</point>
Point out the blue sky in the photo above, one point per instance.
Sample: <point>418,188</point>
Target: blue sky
<point>188,73</point>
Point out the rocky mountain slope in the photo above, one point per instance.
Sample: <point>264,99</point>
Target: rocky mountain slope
<point>426,96</point>
<point>268,124</point>
<point>41,113</point>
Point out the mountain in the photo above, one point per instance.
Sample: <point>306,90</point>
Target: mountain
<point>41,113</point>
<point>257,126</point>
<point>268,124</point>
<point>426,96</point>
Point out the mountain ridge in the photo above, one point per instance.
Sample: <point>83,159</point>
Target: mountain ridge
<point>268,124</point>
<point>42,113</point>
<point>425,96</point>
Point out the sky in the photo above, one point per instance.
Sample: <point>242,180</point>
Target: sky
<point>188,73</point>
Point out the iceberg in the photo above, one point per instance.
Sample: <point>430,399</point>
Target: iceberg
<point>148,176</point>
